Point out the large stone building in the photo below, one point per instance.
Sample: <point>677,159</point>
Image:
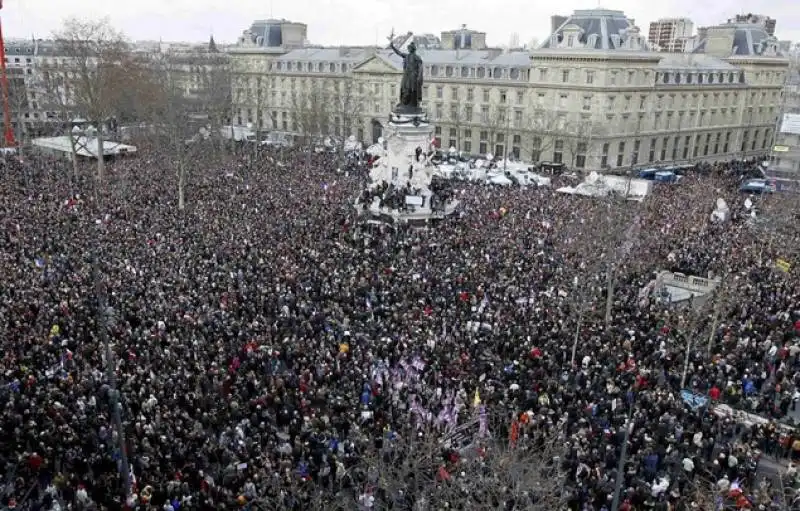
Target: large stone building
<point>592,96</point>
<point>623,105</point>
<point>32,107</point>
<point>40,99</point>
<point>786,152</point>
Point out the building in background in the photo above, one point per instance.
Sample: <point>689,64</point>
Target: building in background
<point>786,152</point>
<point>201,72</point>
<point>626,106</point>
<point>670,34</point>
<point>463,39</point>
<point>36,108</point>
<point>592,96</point>
<point>759,19</point>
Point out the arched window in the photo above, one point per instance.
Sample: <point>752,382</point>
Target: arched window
<point>464,72</point>
<point>497,73</point>
<point>448,71</point>
<point>481,72</point>
<point>332,67</point>
<point>434,70</point>
<point>514,73</point>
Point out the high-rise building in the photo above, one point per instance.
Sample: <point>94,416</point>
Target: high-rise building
<point>670,34</point>
<point>759,19</point>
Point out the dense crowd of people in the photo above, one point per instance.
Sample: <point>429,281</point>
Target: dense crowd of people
<point>267,349</point>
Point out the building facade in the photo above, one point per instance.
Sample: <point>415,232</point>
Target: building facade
<point>786,152</point>
<point>37,105</point>
<point>591,96</point>
<point>670,34</point>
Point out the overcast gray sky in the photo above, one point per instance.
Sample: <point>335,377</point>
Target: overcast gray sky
<point>365,21</point>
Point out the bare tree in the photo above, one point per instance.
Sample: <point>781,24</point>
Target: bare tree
<point>218,96</point>
<point>18,105</point>
<point>539,129</point>
<point>347,109</point>
<point>57,97</point>
<point>578,138</point>
<point>311,113</point>
<point>458,120</point>
<point>497,123</point>
<point>96,74</point>
<point>169,110</point>
<point>430,467</point>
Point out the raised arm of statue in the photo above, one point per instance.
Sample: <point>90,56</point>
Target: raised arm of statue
<point>394,48</point>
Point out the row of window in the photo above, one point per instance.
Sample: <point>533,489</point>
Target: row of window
<point>636,77</point>
<point>479,72</point>
<point>633,77</point>
<point>310,67</point>
<point>709,78</point>
<point>717,77</point>
<point>434,70</point>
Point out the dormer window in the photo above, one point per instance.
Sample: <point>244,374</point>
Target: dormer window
<point>710,77</point>
<point>666,77</point>
<point>570,40</point>
<point>689,78</point>
<point>677,78</point>
<point>700,78</point>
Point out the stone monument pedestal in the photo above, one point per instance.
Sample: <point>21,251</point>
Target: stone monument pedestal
<point>401,178</point>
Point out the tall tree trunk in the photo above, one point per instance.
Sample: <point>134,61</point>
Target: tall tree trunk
<point>181,186</point>
<point>73,156</point>
<point>101,162</point>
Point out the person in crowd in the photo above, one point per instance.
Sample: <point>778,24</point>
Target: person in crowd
<point>265,348</point>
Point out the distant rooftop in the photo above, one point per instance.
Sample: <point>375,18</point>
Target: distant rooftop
<point>597,29</point>
<point>747,39</point>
